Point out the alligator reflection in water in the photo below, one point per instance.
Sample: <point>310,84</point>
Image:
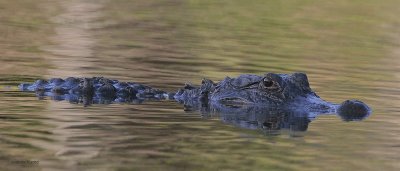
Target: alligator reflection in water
<point>268,102</point>
<point>269,120</point>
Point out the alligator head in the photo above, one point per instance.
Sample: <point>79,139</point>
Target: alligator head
<point>270,89</point>
<point>285,91</point>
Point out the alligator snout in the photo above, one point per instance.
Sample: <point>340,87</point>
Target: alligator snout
<point>353,110</point>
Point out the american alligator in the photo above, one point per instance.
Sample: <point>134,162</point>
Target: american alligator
<point>266,95</point>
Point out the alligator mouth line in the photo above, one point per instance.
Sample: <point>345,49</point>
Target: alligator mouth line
<point>234,100</point>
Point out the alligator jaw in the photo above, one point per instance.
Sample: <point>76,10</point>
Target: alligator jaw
<point>312,104</point>
<point>349,110</point>
<point>234,100</point>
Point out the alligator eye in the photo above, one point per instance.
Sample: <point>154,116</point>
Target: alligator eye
<point>268,83</point>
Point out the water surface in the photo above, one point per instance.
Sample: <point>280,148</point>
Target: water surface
<point>349,49</point>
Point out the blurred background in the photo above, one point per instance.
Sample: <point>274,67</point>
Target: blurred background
<point>349,49</point>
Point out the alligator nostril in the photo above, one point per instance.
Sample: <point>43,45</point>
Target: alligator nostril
<point>353,110</point>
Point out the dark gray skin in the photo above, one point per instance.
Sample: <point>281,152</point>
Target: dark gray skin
<point>290,92</point>
<point>93,90</point>
<point>271,92</point>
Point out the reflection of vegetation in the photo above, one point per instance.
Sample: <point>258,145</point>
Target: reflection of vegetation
<point>15,80</point>
<point>230,37</point>
<point>292,35</point>
<point>23,29</point>
<point>24,26</point>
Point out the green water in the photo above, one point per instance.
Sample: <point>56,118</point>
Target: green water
<point>349,49</point>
